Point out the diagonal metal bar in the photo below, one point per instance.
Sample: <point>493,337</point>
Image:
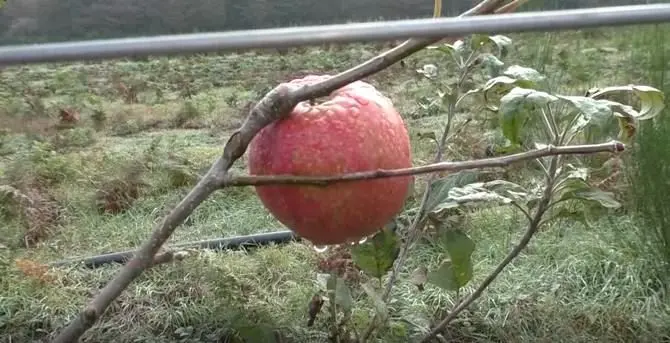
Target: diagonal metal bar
<point>339,33</point>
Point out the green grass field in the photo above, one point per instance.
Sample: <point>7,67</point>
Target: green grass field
<point>148,128</point>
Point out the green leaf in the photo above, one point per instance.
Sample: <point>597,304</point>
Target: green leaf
<point>380,306</point>
<point>449,277</point>
<point>449,49</point>
<point>323,279</point>
<point>331,282</point>
<point>528,77</point>
<point>576,188</point>
<point>500,86</point>
<point>475,192</point>
<point>376,256</point>
<point>605,199</point>
<point>500,81</point>
<point>428,70</point>
<point>584,212</point>
<point>419,277</point>
<point>596,114</point>
<point>446,198</point>
<point>496,88</point>
<point>497,191</point>
<point>340,293</point>
<point>439,189</point>
<point>652,100</point>
<point>491,64</point>
<point>592,111</point>
<point>515,107</point>
<point>509,190</point>
<point>458,244</point>
<point>343,296</point>
<point>502,43</point>
<point>257,333</point>
<point>578,173</point>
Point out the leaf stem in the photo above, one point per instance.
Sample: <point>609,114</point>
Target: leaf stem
<point>551,132</point>
<point>523,210</point>
<point>554,124</point>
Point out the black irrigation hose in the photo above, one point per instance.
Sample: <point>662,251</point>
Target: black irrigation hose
<point>249,241</point>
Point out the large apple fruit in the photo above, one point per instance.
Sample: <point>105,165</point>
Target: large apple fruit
<point>356,129</point>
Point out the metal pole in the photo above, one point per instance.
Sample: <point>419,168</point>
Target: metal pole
<point>340,33</point>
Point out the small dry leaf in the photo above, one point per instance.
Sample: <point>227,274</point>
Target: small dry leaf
<point>34,270</point>
<point>314,308</point>
<point>420,277</point>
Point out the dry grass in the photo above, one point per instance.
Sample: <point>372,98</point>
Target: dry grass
<point>118,194</point>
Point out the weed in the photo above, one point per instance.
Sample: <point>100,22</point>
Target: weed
<point>78,137</point>
<point>186,116</point>
<point>36,208</point>
<point>119,193</point>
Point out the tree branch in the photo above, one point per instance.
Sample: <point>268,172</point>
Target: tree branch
<point>493,162</point>
<point>511,7</point>
<point>502,161</point>
<point>273,106</point>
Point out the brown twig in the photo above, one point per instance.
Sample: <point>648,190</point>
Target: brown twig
<point>273,106</point>
<point>493,162</point>
<point>169,256</point>
<point>511,7</point>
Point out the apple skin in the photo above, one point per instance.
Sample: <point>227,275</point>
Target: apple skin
<point>356,129</point>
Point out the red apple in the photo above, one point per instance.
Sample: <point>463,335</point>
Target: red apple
<point>356,129</point>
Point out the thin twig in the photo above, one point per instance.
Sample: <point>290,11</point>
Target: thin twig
<point>522,210</point>
<point>533,226</point>
<point>493,162</point>
<point>511,7</point>
<point>275,105</point>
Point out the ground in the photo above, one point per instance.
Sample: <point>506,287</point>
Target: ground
<point>141,133</point>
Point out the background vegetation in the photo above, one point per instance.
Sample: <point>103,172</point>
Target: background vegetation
<point>92,154</point>
<point>53,20</point>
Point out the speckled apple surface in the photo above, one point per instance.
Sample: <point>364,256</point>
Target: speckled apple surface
<point>356,129</point>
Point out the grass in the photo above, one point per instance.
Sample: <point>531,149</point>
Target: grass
<point>648,194</point>
<point>147,129</point>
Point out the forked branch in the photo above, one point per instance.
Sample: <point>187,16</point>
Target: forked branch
<point>273,106</point>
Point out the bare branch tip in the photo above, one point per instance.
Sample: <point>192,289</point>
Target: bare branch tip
<point>619,146</point>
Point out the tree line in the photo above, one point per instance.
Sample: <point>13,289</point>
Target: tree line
<point>33,21</point>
